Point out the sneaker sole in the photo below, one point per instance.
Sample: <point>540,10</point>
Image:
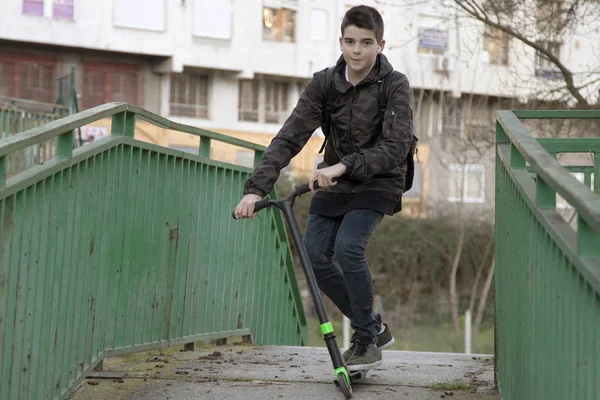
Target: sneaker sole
<point>388,344</point>
<point>362,367</point>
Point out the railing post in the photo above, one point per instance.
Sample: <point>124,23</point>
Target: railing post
<point>501,136</point>
<point>123,124</point>
<point>64,145</point>
<point>587,179</point>
<point>587,240</point>
<point>258,155</point>
<point>516,159</point>
<point>2,172</point>
<point>545,195</point>
<point>204,147</point>
<point>597,172</point>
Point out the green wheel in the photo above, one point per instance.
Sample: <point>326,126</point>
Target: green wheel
<point>344,385</point>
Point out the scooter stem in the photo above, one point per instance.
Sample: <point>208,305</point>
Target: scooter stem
<point>326,329</point>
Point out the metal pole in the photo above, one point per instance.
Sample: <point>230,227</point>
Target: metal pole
<point>304,260</point>
<point>346,333</point>
<point>332,348</point>
<point>468,332</point>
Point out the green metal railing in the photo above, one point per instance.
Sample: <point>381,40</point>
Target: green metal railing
<point>19,115</point>
<point>548,270</point>
<point>122,246</point>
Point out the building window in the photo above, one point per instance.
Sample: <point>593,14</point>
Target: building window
<point>189,95</point>
<point>279,24</point>
<point>6,79</point>
<point>453,120</point>
<point>60,8</point>
<point>103,83</point>
<point>37,82</point>
<point>212,19</point>
<point>318,25</point>
<point>248,104</point>
<point>543,66</point>
<point>500,7</point>
<point>63,9</point>
<point>139,14</point>
<point>33,7</point>
<point>550,16</point>
<point>28,78</point>
<point>467,183</point>
<point>275,101</point>
<point>495,42</point>
<point>433,41</point>
<point>270,106</point>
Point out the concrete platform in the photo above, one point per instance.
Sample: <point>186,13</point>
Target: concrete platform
<point>266,372</point>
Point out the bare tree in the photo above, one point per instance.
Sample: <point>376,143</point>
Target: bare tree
<point>543,25</point>
<point>475,285</point>
<point>484,295</point>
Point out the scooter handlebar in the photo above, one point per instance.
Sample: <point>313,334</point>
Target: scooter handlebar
<point>259,205</point>
<point>264,203</point>
<point>300,190</point>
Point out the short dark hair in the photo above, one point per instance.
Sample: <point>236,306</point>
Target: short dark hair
<point>364,17</point>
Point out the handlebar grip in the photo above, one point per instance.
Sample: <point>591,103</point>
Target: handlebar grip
<point>259,205</point>
<point>300,190</point>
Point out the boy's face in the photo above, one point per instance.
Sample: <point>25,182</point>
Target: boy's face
<point>360,48</point>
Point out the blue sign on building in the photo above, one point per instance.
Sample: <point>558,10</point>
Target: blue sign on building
<point>431,38</point>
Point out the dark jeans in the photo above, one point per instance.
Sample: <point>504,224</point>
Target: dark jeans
<point>348,282</point>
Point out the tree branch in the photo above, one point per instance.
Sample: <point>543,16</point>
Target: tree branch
<point>443,252</point>
<point>567,74</point>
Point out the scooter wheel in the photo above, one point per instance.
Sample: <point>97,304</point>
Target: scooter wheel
<point>344,386</point>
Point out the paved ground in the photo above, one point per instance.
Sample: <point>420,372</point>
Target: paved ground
<point>263,372</point>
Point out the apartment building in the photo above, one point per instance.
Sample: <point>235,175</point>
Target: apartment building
<point>238,67</point>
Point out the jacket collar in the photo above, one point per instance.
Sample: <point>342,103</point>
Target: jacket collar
<point>381,68</point>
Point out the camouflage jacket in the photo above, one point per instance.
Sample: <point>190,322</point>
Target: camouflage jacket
<point>376,148</point>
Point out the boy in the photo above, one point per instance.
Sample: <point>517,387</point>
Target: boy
<point>362,176</point>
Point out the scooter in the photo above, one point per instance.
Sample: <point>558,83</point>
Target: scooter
<point>343,377</point>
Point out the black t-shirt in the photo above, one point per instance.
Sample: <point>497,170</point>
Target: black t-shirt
<point>329,204</point>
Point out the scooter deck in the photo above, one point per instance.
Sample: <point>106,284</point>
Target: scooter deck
<point>356,376</point>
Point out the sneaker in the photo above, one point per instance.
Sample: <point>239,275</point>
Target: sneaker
<point>362,355</point>
<point>385,338</point>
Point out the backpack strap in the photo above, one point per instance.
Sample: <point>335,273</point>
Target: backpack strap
<point>331,93</point>
<point>330,98</point>
<point>382,94</point>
